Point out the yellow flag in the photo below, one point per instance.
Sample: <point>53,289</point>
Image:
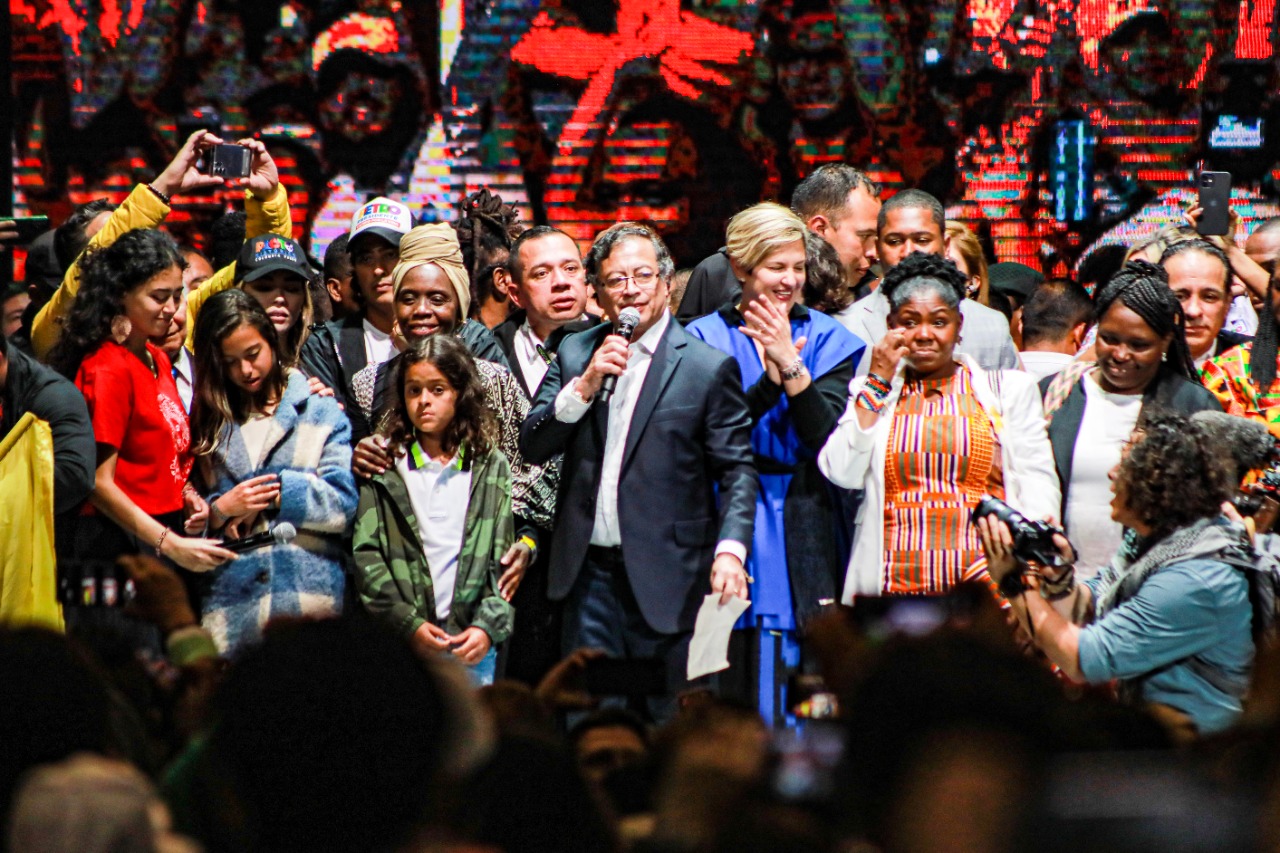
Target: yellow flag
<point>28,573</point>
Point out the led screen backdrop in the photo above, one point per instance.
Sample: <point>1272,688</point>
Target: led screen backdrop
<point>1058,127</point>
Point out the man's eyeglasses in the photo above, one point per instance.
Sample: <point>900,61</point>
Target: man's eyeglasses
<point>645,280</point>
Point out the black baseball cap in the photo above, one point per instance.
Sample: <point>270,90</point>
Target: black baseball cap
<point>1014,279</point>
<point>267,253</point>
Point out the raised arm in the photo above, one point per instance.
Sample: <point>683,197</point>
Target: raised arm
<point>266,207</point>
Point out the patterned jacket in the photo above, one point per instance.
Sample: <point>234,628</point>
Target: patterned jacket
<point>1227,378</point>
<point>392,575</point>
<point>309,447</point>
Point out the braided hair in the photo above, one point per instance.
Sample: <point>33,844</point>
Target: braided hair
<point>486,229</point>
<point>920,272</point>
<point>1143,288</point>
<point>1262,357</point>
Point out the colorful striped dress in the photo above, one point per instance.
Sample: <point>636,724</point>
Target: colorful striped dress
<point>943,455</point>
<point>1227,377</point>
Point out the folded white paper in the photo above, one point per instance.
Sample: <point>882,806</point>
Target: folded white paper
<point>709,648</point>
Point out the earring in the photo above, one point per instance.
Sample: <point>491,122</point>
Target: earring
<point>1164,356</point>
<point>120,328</point>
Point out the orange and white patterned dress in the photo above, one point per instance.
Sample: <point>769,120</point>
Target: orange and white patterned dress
<point>943,455</point>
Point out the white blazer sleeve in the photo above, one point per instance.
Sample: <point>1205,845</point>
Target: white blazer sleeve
<point>1036,485</point>
<point>846,456</point>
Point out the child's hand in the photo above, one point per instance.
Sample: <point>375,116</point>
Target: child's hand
<point>471,645</point>
<point>429,640</point>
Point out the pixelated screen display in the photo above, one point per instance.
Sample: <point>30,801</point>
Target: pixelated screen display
<point>584,112</point>
<point>1073,171</point>
<point>1237,132</point>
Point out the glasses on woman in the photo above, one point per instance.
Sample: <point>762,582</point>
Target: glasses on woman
<point>645,280</point>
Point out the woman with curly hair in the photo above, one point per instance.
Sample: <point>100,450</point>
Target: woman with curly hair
<point>1169,616</point>
<point>130,291</point>
<point>925,434</point>
<point>432,530</point>
<point>1143,362</point>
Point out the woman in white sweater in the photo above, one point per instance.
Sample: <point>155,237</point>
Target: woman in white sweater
<point>925,434</point>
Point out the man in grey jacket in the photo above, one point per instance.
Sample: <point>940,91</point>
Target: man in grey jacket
<point>914,221</point>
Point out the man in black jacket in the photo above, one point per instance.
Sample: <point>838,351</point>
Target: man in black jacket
<point>339,349</point>
<point>639,520</point>
<point>838,203</point>
<point>549,287</point>
<point>26,385</point>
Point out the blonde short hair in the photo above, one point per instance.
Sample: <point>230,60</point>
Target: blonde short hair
<point>759,231</point>
<point>966,243</point>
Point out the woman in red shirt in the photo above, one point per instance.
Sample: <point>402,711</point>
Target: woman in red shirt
<point>129,293</point>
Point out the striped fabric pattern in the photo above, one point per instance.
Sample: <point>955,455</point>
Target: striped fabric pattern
<point>942,448</point>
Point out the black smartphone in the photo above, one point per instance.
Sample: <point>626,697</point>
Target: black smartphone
<point>634,677</point>
<point>226,161</point>
<point>30,227</point>
<point>1215,202</point>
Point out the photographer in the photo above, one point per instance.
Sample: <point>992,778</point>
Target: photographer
<point>1170,616</point>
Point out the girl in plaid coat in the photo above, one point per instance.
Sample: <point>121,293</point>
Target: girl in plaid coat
<point>269,452</point>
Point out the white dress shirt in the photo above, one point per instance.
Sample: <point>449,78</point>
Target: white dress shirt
<point>570,408</point>
<point>184,377</point>
<point>1042,364</point>
<point>377,344</point>
<point>440,495</point>
<point>533,367</point>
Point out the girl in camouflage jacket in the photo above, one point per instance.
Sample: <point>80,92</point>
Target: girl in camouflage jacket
<point>431,531</point>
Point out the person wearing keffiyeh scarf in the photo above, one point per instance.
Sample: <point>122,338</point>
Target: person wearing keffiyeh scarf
<point>1169,619</point>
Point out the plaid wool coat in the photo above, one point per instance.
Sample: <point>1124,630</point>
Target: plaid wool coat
<point>309,448</point>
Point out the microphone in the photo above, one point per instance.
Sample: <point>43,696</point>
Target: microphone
<point>628,319</point>
<point>278,535</point>
<point>1249,443</point>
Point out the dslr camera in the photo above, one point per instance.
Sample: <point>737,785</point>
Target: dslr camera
<point>1032,540</point>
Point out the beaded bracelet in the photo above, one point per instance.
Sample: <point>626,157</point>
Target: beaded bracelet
<point>879,385</point>
<point>866,400</point>
<point>794,370</point>
<point>160,541</point>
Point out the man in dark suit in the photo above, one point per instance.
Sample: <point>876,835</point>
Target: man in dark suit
<point>549,287</point>
<point>638,523</point>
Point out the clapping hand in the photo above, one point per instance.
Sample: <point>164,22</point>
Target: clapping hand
<point>769,326</point>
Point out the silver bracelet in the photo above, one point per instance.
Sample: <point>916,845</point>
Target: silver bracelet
<point>794,370</point>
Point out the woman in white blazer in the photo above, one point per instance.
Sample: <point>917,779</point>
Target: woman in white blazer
<point>925,434</point>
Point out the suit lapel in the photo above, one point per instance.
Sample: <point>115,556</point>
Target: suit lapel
<point>663,366</point>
